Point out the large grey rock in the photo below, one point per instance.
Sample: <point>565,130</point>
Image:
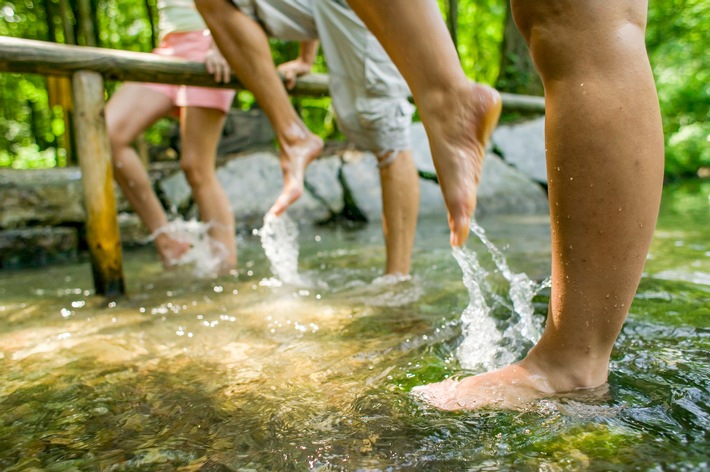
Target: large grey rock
<point>323,184</point>
<point>506,190</point>
<point>523,146</point>
<point>362,178</point>
<point>46,197</point>
<point>253,182</point>
<point>176,191</point>
<point>503,189</point>
<point>37,247</point>
<point>133,232</point>
<point>420,149</point>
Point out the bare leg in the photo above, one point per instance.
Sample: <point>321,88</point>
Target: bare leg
<point>246,48</point>
<point>400,207</point>
<point>200,129</point>
<point>458,115</point>
<point>605,170</point>
<point>131,110</point>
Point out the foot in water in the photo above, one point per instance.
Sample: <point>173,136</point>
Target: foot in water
<point>514,387</point>
<point>458,134</point>
<point>295,158</point>
<point>511,388</point>
<point>170,250</point>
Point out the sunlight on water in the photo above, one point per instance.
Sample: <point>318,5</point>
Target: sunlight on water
<point>231,374</point>
<point>485,344</point>
<point>205,255</point>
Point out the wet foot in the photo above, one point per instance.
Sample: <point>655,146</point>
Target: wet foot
<point>510,388</point>
<point>459,133</point>
<point>294,160</point>
<point>170,250</point>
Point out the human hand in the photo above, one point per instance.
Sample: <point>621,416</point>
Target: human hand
<point>217,65</point>
<point>291,70</point>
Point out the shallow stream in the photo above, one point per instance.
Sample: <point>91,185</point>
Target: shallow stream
<point>245,373</point>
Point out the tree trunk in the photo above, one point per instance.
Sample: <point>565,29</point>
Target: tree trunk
<point>67,27</point>
<point>153,26</point>
<point>452,20</point>
<point>517,71</point>
<point>86,23</point>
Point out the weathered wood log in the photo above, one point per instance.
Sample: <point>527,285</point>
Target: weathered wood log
<point>40,57</point>
<point>94,151</point>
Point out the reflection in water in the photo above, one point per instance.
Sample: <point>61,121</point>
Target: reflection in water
<point>229,374</point>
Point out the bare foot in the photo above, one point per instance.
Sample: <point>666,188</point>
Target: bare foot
<point>458,134</point>
<point>170,250</point>
<point>294,160</point>
<point>510,388</point>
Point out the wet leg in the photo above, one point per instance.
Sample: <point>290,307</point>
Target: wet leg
<point>459,115</point>
<point>400,208</point>
<point>200,129</point>
<point>605,171</point>
<point>131,110</point>
<point>246,47</point>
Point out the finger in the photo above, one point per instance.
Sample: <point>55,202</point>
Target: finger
<point>226,74</point>
<point>288,79</point>
<point>209,66</point>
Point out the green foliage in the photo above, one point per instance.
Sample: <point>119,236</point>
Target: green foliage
<point>676,43</point>
<point>480,34</point>
<point>677,39</point>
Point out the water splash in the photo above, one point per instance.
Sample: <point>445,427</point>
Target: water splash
<point>484,344</point>
<point>279,238</point>
<point>205,254</point>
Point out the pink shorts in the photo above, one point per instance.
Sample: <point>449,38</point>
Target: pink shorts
<point>192,45</point>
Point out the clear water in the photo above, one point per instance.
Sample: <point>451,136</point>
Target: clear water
<point>241,373</point>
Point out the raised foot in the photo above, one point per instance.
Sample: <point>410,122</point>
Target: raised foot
<point>294,160</point>
<point>459,131</point>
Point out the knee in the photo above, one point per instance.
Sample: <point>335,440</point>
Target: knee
<point>118,138</point>
<point>195,173</point>
<point>567,35</point>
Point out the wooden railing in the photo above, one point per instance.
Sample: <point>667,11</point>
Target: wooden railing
<point>88,68</point>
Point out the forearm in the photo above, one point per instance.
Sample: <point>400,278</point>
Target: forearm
<point>309,49</point>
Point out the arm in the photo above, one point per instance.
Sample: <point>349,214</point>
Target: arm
<point>300,66</point>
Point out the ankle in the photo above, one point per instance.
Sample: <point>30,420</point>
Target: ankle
<point>567,370</point>
<point>293,135</point>
<point>442,103</point>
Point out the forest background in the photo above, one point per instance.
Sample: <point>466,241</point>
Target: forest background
<point>32,130</point>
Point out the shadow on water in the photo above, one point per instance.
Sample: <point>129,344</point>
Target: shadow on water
<point>238,374</point>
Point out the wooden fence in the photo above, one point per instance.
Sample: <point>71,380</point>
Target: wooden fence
<point>88,68</point>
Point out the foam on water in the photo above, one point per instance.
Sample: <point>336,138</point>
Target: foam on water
<point>205,255</point>
<point>485,345</point>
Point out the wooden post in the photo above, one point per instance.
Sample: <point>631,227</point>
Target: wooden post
<point>94,151</point>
